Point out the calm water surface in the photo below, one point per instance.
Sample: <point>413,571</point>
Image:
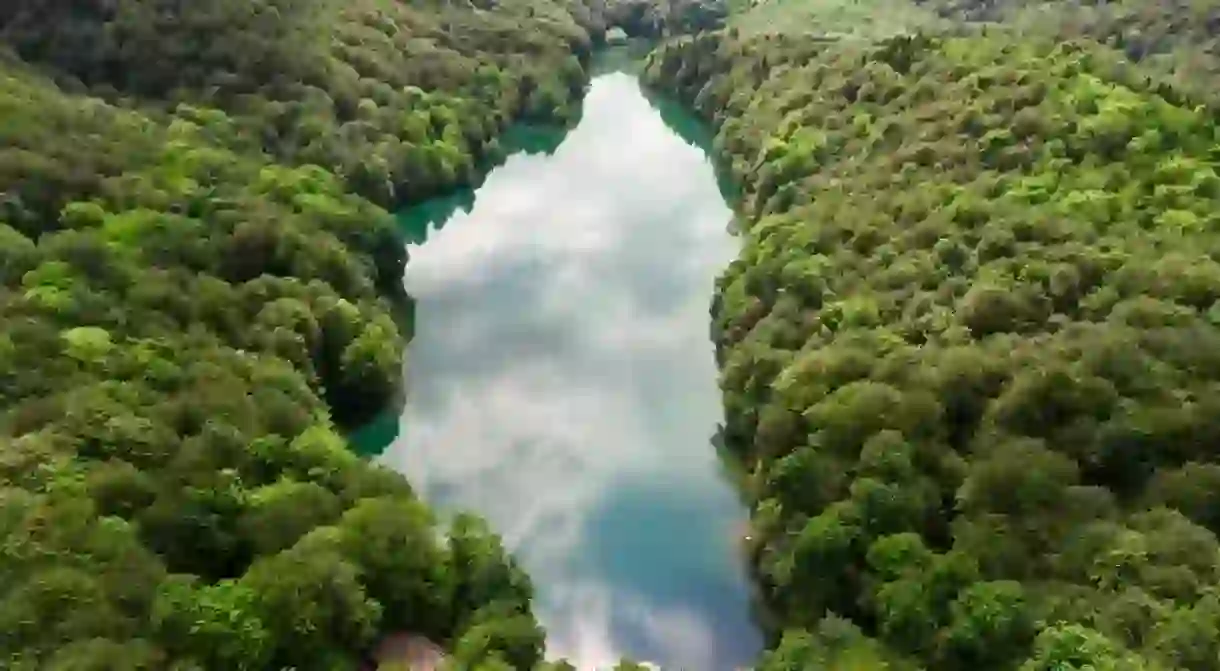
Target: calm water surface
<point>561,382</point>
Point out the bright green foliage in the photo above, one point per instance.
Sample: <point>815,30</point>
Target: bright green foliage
<point>315,607</point>
<point>216,626</point>
<point>87,344</point>
<point>488,575</point>
<point>968,351</point>
<point>497,635</point>
<point>393,543</point>
<point>1076,648</point>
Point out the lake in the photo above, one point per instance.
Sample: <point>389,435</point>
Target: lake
<point>561,381</point>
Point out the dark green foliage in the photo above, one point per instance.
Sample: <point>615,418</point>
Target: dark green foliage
<point>196,283</point>
<point>401,100</point>
<point>641,18</point>
<point>969,349</point>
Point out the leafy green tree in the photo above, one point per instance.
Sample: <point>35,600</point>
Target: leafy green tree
<point>1075,647</point>
<point>217,626</point>
<point>392,541</point>
<point>485,573</point>
<point>511,639</point>
<point>281,513</point>
<point>990,624</point>
<point>314,608</point>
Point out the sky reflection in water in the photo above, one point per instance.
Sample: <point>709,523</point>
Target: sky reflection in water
<point>561,383</point>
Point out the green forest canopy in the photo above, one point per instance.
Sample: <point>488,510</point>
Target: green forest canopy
<point>197,278</point>
<point>968,351</point>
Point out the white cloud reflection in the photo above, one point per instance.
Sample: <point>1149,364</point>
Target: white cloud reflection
<point>562,384</point>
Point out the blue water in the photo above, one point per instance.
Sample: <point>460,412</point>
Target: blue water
<point>561,383</point>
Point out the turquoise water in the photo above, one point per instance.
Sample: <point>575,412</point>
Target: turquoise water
<point>561,382</point>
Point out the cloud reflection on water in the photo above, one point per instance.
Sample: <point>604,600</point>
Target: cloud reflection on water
<point>562,384</point>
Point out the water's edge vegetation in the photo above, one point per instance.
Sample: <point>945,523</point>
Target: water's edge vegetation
<point>562,382</point>
<point>968,352</point>
<point>412,223</point>
<point>198,285</point>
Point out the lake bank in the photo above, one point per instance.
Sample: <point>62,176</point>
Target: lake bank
<point>563,385</point>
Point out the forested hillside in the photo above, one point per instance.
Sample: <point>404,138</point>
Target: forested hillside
<point>969,350</point>
<point>195,272</point>
<point>1178,40</point>
<point>656,19</point>
<point>858,19</point>
<point>335,83</point>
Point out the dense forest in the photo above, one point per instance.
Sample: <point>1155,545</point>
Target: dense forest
<point>197,286</point>
<point>969,351</point>
<point>655,19</point>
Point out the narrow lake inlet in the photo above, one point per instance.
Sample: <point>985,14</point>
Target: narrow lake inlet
<point>561,383</point>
